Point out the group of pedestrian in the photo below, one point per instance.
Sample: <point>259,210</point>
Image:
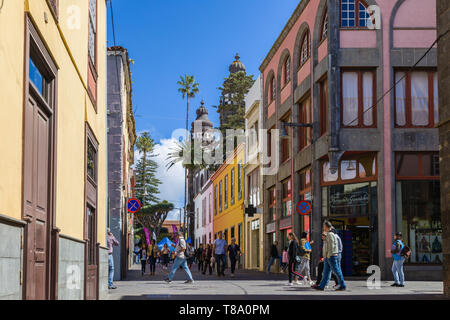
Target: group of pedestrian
<point>149,254</point>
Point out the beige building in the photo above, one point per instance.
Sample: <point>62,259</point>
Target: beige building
<point>254,257</point>
<point>53,120</point>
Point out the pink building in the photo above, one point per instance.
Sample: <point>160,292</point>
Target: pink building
<point>369,161</point>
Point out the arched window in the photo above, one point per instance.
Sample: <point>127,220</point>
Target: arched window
<point>324,28</point>
<point>286,70</point>
<point>272,90</point>
<point>304,51</point>
<point>354,14</point>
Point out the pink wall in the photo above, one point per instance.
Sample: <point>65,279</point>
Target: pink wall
<point>271,109</point>
<point>209,219</point>
<point>285,92</point>
<point>416,13</point>
<point>322,51</point>
<point>358,39</point>
<point>414,38</point>
<point>304,71</point>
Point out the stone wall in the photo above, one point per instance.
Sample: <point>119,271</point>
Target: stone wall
<point>103,274</point>
<point>70,269</point>
<point>11,262</point>
<point>443,21</point>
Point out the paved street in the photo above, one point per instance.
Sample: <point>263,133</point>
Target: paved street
<point>256,285</point>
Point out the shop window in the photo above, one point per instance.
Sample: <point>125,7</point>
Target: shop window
<point>272,204</point>
<point>305,51</point>
<point>358,99</point>
<point>286,198</point>
<point>304,116</point>
<point>419,215</point>
<point>416,99</point>
<point>417,165</point>
<point>354,14</point>
<point>225,200</point>
<point>355,168</point>
<point>323,107</point>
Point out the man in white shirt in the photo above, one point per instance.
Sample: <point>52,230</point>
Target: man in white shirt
<point>180,260</point>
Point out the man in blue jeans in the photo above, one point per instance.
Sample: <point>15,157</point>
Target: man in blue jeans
<point>331,259</point>
<point>180,260</point>
<point>397,265</point>
<point>273,255</point>
<point>220,245</point>
<point>111,240</point>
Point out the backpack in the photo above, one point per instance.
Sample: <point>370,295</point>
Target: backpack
<point>189,253</point>
<point>406,252</point>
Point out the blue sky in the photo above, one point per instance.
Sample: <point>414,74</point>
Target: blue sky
<point>169,38</point>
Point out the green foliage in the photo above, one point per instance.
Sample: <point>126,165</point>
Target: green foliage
<point>188,87</point>
<point>153,216</point>
<point>147,185</point>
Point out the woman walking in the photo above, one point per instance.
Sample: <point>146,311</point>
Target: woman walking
<point>292,251</point>
<point>143,257</point>
<point>199,257</point>
<point>207,259</point>
<point>165,251</point>
<point>152,254</point>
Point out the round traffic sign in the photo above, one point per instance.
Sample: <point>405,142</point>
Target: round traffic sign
<point>133,205</point>
<point>304,207</point>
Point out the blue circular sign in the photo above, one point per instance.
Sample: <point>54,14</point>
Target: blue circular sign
<point>304,207</point>
<point>133,205</point>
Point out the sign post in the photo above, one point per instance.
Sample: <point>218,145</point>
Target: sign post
<point>133,205</point>
<point>304,207</point>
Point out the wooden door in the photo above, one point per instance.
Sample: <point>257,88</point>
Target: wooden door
<point>36,196</point>
<point>92,257</point>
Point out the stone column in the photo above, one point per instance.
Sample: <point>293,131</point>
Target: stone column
<point>443,25</point>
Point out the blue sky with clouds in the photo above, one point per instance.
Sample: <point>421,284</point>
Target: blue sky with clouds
<point>169,38</point>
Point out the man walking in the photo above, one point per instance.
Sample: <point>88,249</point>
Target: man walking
<point>234,252</point>
<point>273,255</point>
<point>331,258</point>
<point>397,265</point>
<point>180,260</point>
<point>111,241</point>
<point>219,251</point>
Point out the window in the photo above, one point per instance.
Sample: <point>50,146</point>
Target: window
<point>286,70</point>
<point>272,204</point>
<point>232,186</point>
<point>286,198</point>
<point>305,184</point>
<point>358,99</point>
<point>416,99</point>
<point>37,78</point>
<point>324,33</point>
<point>354,14</point>
<point>226,192</point>
<point>92,31</point>
<point>353,167</point>
<point>304,116</point>
<point>417,165</point>
<point>253,136</point>
<point>210,208</point>
<point>286,142</point>
<point>215,200</point>
<point>253,185</point>
<point>323,107</point>
<point>220,196</point>
<point>269,146</point>
<point>232,232</point>
<point>272,89</point>
<point>305,50</point>
<point>239,239</point>
<point>197,218</point>
<point>91,161</point>
<point>240,180</point>
<point>91,235</point>
<point>204,212</point>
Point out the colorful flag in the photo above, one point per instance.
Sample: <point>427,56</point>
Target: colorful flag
<point>147,235</point>
<point>175,230</point>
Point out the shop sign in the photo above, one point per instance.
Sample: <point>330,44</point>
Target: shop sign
<point>255,224</point>
<point>285,223</point>
<point>270,227</point>
<point>349,199</point>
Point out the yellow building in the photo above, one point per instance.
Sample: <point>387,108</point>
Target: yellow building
<point>228,188</point>
<point>53,163</point>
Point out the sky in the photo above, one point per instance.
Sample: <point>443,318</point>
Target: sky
<point>170,38</point>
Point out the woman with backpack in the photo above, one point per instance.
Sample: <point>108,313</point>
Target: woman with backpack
<point>400,253</point>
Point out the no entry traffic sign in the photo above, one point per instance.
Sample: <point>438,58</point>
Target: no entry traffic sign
<point>304,207</point>
<point>133,205</point>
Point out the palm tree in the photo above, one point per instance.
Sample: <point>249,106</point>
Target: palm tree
<point>188,89</point>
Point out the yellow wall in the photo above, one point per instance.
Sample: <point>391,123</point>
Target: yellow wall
<point>234,214</point>
<point>69,48</point>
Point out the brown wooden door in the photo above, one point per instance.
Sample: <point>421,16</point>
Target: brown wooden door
<point>92,265</point>
<point>36,197</point>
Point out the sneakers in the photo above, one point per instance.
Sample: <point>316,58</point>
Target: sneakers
<point>336,286</point>
<point>290,284</point>
<point>394,285</point>
<point>189,282</point>
<point>167,280</point>
<point>400,285</point>
<point>318,288</point>
<point>112,287</point>
<point>341,288</point>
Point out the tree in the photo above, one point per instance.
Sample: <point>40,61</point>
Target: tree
<point>147,185</point>
<point>153,216</point>
<point>188,89</point>
<point>192,157</point>
<point>232,106</point>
